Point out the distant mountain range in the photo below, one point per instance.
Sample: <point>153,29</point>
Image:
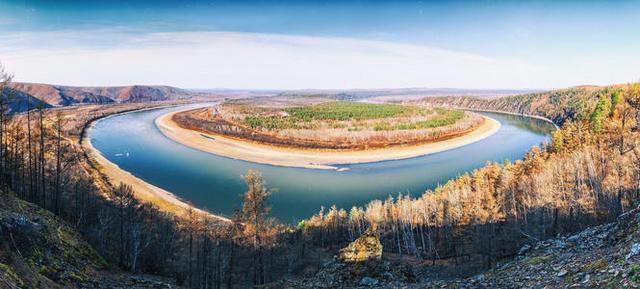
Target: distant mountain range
<point>19,101</point>
<point>25,94</point>
<point>402,93</point>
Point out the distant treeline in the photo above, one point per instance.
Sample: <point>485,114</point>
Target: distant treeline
<point>558,105</point>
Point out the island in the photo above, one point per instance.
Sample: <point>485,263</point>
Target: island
<point>319,134</point>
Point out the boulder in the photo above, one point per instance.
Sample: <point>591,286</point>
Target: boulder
<point>366,247</point>
<point>635,249</point>
<point>368,281</point>
<point>524,249</point>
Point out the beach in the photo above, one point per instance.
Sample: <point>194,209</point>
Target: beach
<point>143,191</point>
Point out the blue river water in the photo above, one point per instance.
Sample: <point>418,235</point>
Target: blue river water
<point>134,143</point>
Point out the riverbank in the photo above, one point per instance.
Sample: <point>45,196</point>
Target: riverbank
<point>307,158</point>
<point>164,200</point>
<point>512,113</point>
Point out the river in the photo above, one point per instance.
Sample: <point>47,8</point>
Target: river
<point>134,143</point>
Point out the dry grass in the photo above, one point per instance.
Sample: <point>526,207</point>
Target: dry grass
<point>330,125</point>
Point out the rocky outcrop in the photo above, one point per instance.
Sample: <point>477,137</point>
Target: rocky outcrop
<point>359,265</point>
<point>366,247</point>
<point>605,256</point>
<point>367,274</point>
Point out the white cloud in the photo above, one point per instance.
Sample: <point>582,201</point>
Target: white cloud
<point>248,60</point>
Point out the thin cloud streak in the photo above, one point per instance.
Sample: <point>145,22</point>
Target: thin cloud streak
<point>252,60</point>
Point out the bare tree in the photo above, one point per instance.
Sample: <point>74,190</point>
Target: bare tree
<point>255,216</point>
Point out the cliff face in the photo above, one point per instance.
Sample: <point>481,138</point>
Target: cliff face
<point>38,250</point>
<point>56,95</point>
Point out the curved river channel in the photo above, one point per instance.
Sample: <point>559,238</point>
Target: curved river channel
<point>211,182</point>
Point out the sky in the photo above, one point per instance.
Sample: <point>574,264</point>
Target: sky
<point>322,44</point>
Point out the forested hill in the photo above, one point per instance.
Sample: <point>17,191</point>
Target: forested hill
<point>395,93</point>
<point>557,105</point>
<point>56,95</point>
<point>18,101</point>
<point>603,256</point>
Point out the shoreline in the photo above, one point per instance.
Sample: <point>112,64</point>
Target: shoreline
<point>511,113</point>
<point>305,158</point>
<point>143,191</point>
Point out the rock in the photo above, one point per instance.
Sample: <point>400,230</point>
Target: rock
<point>404,273</point>
<point>562,273</point>
<point>573,239</point>
<point>560,244</point>
<point>366,247</point>
<point>368,281</point>
<point>635,249</point>
<point>524,249</point>
<point>388,276</point>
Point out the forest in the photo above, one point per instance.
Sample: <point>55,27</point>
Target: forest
<point>443,117</point>
<point>298,117</point>
<point>588,174</point>
<point>343,110</point>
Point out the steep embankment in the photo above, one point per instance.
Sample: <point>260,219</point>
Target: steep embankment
<point>38,250</point>
<point>57,95</point>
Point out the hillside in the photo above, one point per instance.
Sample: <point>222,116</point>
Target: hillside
<point>604,256</point>
<point>38,250</point>
<point>557,105</point>
<point>399,93</point>
<point>18,100</point>
<point>56,95</point>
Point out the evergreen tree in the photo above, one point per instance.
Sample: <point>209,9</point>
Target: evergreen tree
<point>600,113</point>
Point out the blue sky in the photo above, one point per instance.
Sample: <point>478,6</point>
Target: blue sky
<point>322,44</point>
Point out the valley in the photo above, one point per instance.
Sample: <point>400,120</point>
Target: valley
<point>317,144</point>
<point>134,156</point>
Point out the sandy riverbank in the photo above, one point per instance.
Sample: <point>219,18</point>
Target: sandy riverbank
<point>319,159</point>
<point>144,191</point>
